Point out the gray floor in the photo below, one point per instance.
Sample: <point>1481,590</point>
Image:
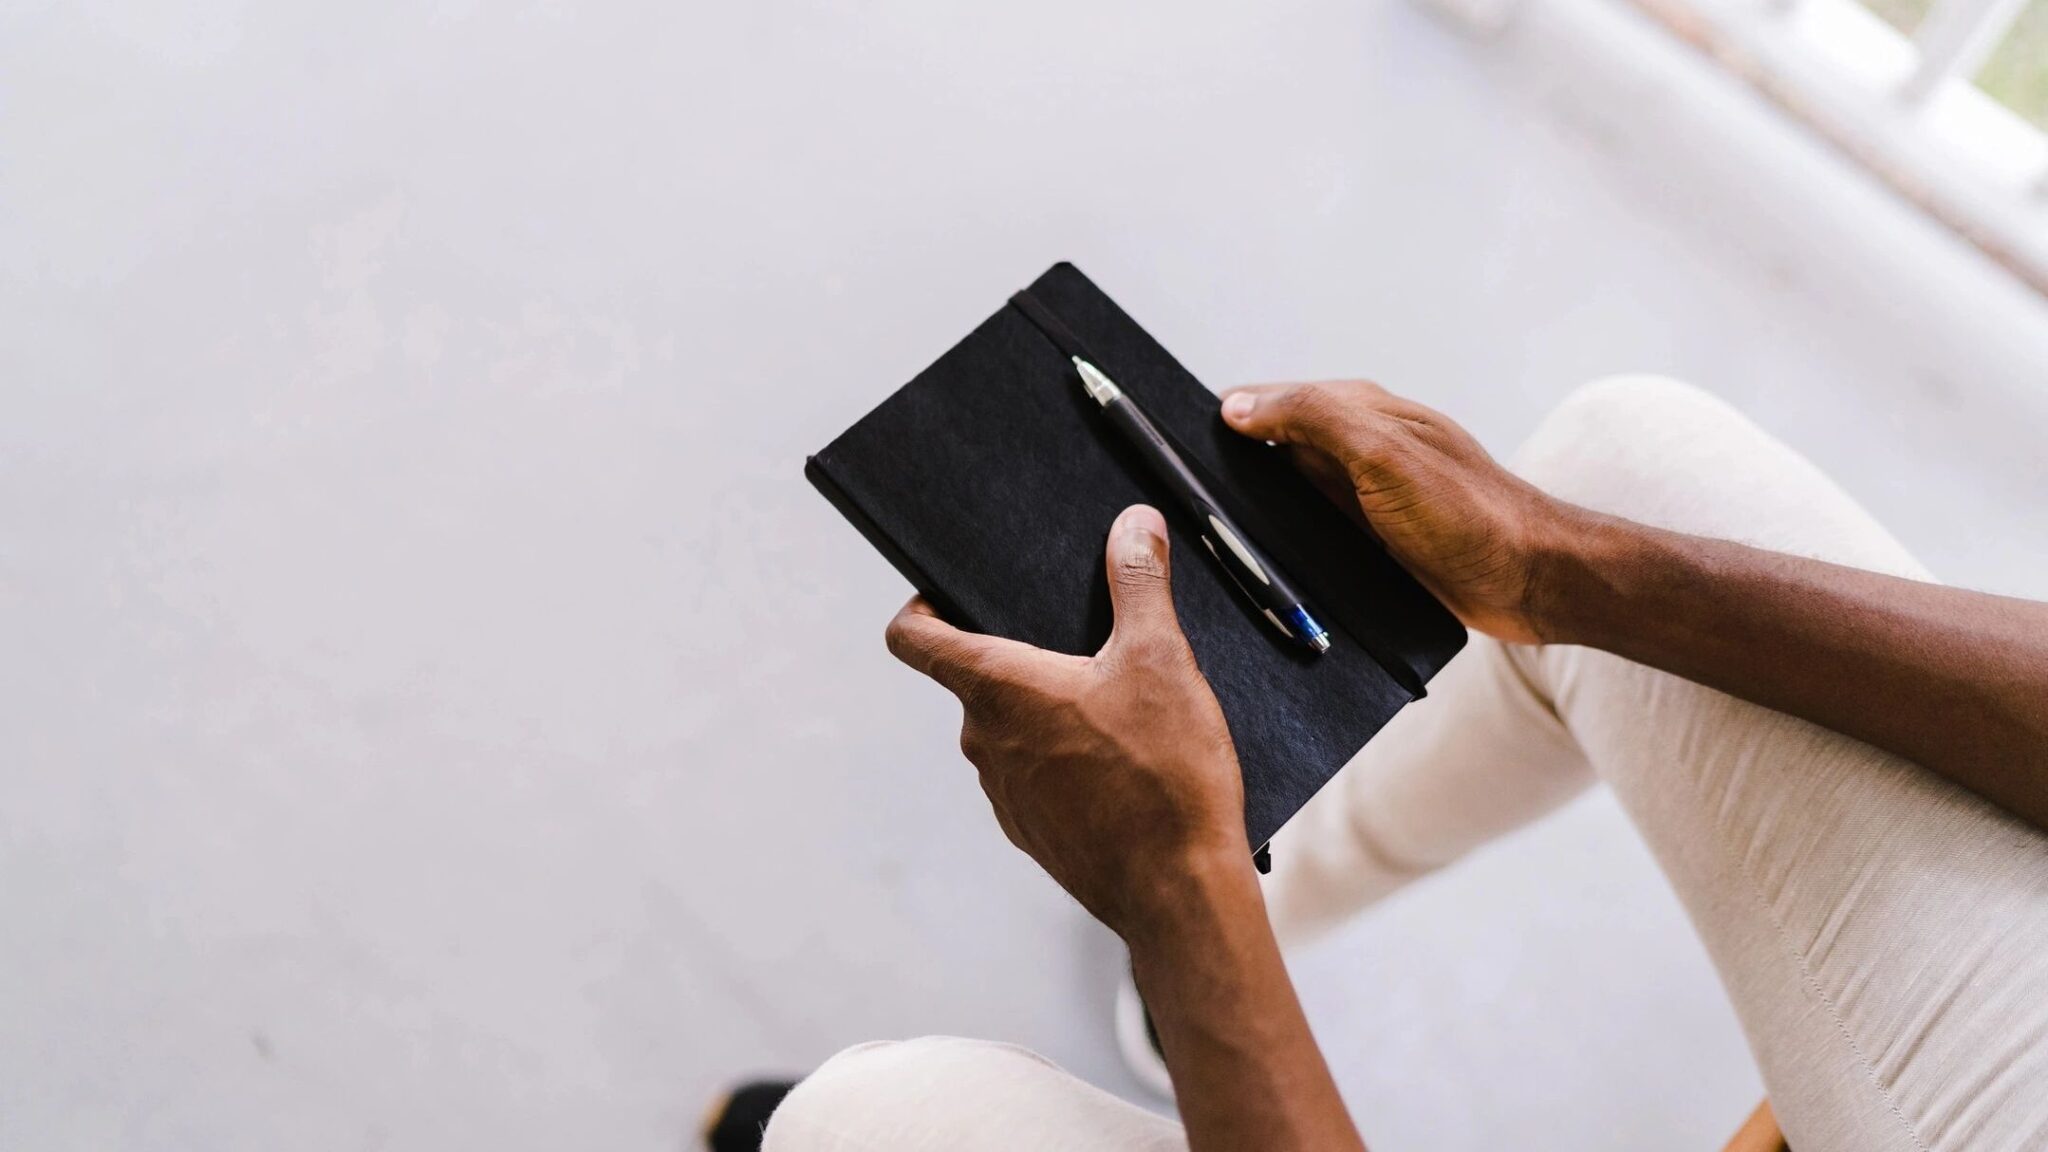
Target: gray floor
<point>436,712</point>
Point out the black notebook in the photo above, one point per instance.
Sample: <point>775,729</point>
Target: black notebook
<point>990,481</point>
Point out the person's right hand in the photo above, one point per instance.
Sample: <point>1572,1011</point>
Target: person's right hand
<point>1472,532</point>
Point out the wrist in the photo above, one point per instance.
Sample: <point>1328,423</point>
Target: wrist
<point>1189,897</point>
<point>1573,568</point>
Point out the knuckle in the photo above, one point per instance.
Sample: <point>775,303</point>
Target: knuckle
<point>990,699</point>
<point>1309,403</point>
<point>976,693</point>
<point>1325,408</point>
<point>974,744</point>
<point>980,670</point>
<point>897,638</point>
<point>1388,461</point>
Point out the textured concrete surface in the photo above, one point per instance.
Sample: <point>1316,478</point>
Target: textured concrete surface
<point>435,713</point>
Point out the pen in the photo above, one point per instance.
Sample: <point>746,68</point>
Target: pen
<point>1250,570</point>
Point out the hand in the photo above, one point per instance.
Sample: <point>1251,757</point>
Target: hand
<point>1115,772</point>
<point>1472,532</point>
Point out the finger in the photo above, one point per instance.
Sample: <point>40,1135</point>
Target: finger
<point>960,661</point>
<point>1329,416</point>
<point>1140,580</point>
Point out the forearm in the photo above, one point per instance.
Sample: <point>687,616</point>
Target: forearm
<point>1246,1070</point>
<point>1956,681</point>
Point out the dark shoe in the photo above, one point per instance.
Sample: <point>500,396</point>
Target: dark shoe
<point>735,1122</point>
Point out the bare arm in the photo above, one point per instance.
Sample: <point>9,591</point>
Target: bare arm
<point>1116,773</point>
<point>1246,1071</point>
<point>1956,681</point>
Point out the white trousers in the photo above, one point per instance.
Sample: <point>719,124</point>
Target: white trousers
<point>1882,934</point>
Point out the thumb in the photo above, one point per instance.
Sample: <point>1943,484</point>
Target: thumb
<point>1140,580</point>
<point>1321,416</point>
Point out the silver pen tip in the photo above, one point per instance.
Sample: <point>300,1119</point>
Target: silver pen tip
<point>1319,641</point>
<point>1100,387</point>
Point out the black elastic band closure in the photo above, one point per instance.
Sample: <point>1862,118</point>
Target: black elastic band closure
<point>1042,318</point>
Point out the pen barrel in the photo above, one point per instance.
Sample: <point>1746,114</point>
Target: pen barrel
<point>1253,572</point>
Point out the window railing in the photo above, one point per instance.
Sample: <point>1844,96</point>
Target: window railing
<point>1956,38</point>
<point>1905,107</point>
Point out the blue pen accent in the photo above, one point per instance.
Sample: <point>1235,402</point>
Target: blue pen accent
<point>1304,625</point>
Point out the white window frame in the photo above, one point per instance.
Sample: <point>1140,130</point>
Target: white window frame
<point>1903,108</point>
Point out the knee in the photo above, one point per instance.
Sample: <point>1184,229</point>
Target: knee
<point>1633,392</point>
<point>1656,450</point>
<point>855,1099</point>
<point>1614,411</point>
<point>1639,445</point>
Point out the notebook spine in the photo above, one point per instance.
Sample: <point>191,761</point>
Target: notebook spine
<point>820,476</point>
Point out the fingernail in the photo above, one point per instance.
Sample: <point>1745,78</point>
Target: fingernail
<point>1140,520</point>
<point>1237,407</point>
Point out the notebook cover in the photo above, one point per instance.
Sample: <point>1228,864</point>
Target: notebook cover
<point>990,481</point>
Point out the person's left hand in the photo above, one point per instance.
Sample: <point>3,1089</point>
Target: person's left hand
<point>1115,772</point>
